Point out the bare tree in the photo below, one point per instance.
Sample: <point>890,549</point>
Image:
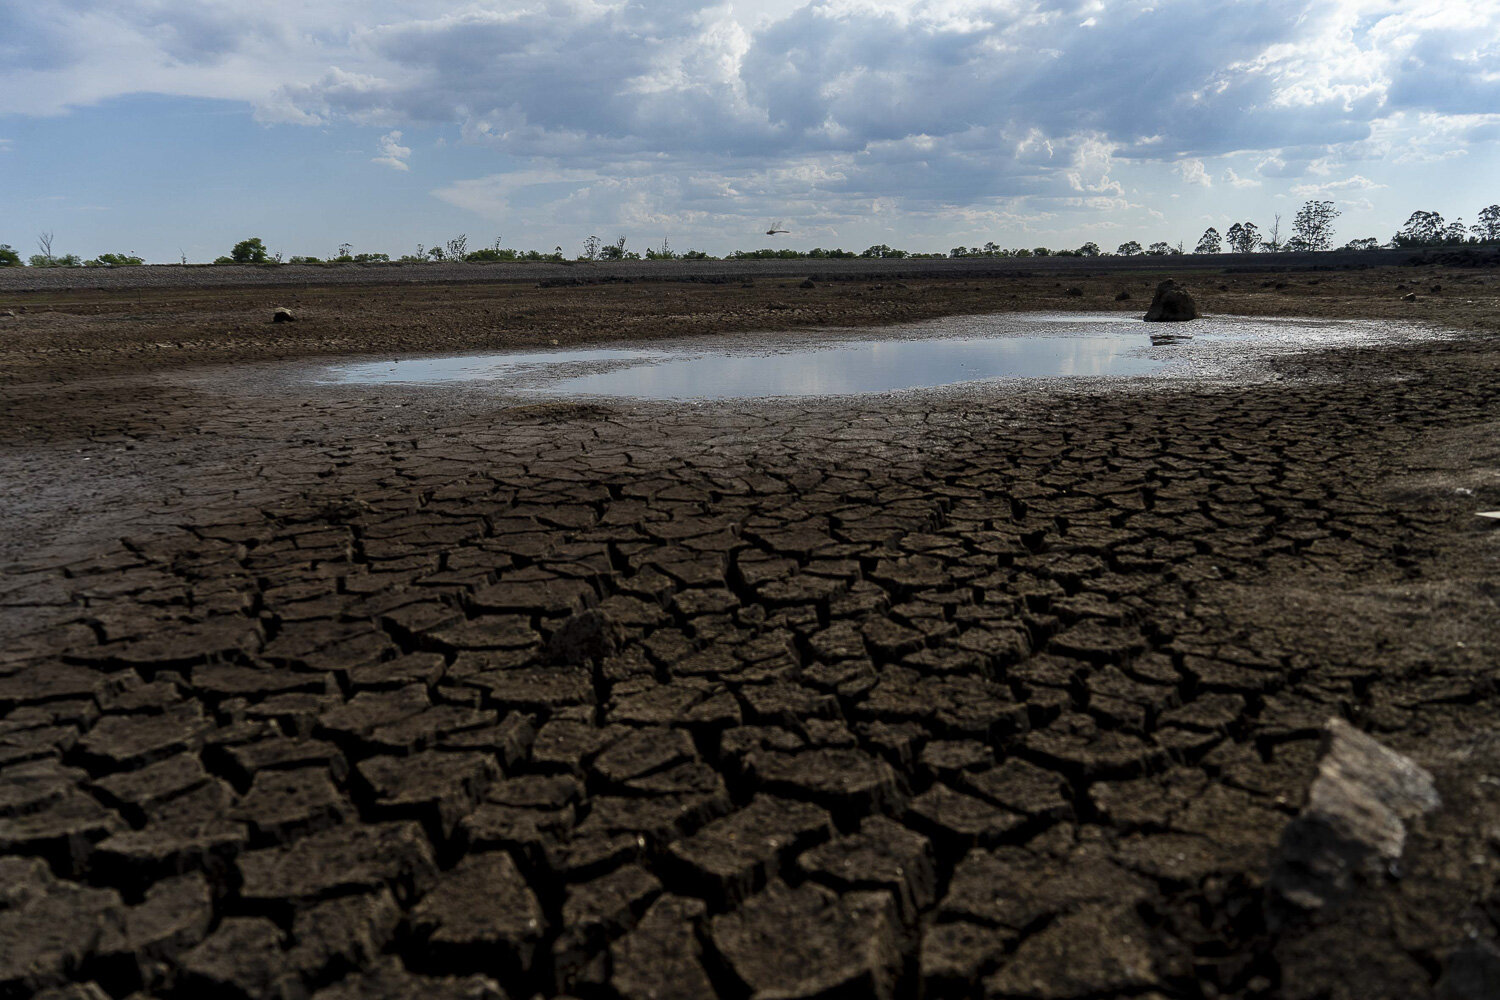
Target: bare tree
<point>44,244</point>
<point>1273,242</point>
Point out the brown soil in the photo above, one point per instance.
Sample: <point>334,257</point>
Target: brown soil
<point>971,695</point>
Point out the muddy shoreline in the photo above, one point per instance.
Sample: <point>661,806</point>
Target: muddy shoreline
<point>934,693</point>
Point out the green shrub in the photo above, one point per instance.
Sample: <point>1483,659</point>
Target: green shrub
<point>251,251</point>
<point>8,256</point>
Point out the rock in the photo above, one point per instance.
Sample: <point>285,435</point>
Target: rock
<point>283,315</point>
<point>1122,296</point>
<point>582,638</point>
<point>1353,826</point>
<point>1171,304</point>
<point>808,283</point>
<point>1073,293</point>
<point>1409,297</point>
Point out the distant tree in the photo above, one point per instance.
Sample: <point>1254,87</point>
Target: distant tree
<point>1243,238</point>
<point>8,256</point>
<point>614,251</point>
<point>590,249</point>
<point>251,251</point>
<point>1456,232</point>
<point>1422,229</point>
<point>664,252</point>
<point>1209,242</point>
<point>1368,243</point>
<point>1089,249</point>
<point>437,254</point>
<point>883,252</point>
<point>694,255</point>
<point>44,244</point>
<point>458,247</point>
<point>114,260</point>
<point>1159,249</point>
<point>51,260</point>
<point>1313,226</point>
<point>1040,252</point>
<point>303,260</point>
<point>1487,229</point>
<point>1129,249</point>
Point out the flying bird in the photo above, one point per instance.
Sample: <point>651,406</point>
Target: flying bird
<point>776,228</point>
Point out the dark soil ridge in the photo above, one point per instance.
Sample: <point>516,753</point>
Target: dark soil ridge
<point>163,276</point>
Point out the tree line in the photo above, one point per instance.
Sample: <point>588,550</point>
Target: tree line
<point>1311,231</point>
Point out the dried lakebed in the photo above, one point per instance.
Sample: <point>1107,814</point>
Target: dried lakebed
<point>941,694</point>
<point>953,351</point>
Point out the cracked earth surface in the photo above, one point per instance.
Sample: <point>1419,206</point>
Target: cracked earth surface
<point>1005,696</point>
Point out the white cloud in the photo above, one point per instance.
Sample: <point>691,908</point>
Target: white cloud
<point>1235,180</point>
<point>392,153</point>
<point>1194,172</point>
<point>1345,186</point>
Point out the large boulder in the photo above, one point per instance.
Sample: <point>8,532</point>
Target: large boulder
<point>1171,304</point>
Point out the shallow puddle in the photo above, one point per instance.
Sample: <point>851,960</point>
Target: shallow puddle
<point>946,352</point>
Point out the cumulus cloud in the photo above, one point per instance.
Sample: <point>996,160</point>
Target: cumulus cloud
<point>1194,172</point>
<point>835,106</point>
<point>392,153</point>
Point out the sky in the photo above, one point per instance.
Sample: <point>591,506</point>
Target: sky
<point>175,128</point>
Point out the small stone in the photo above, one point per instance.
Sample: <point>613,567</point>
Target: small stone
<point>283,315</point>
<point>1353,826</point>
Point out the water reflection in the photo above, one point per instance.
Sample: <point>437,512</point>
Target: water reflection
<point>865,367</point>
<point>950,351</point>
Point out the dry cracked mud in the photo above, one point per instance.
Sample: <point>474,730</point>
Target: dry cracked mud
<point>322,694</point>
